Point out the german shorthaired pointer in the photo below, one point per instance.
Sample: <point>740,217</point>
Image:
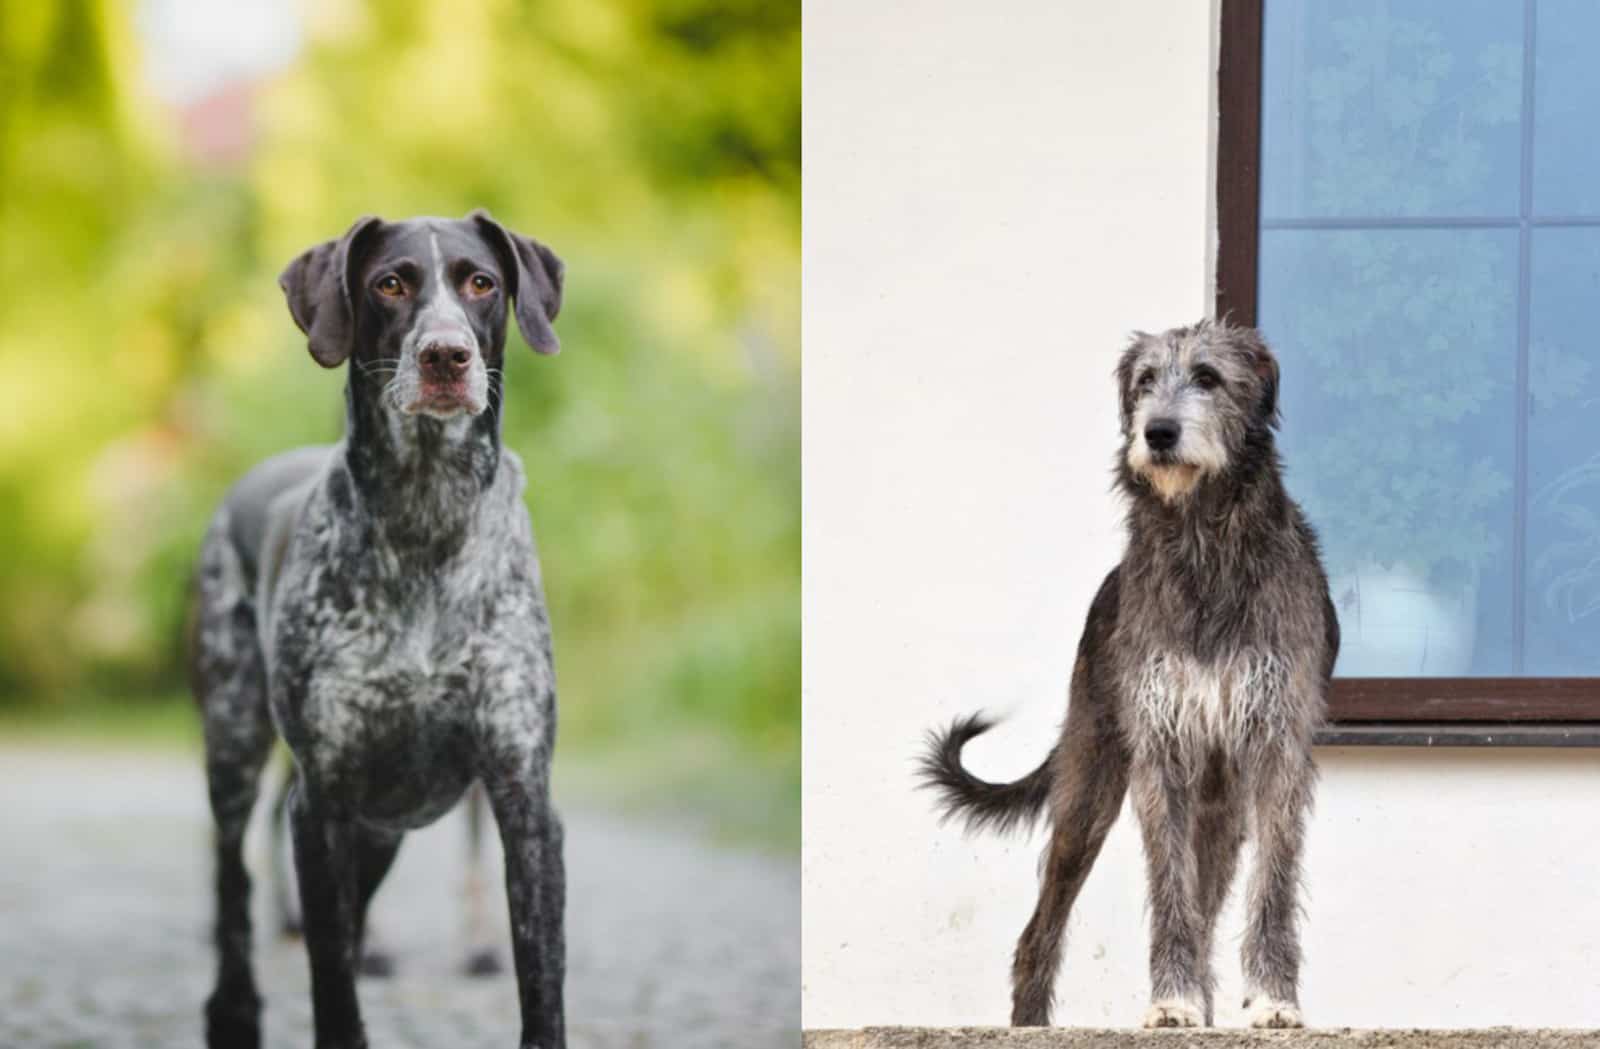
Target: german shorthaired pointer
<point>379,604</point>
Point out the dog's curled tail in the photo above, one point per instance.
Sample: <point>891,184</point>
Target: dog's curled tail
<point>981,805</point>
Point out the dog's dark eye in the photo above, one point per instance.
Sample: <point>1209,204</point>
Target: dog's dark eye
<point>1146,379</point>
<point>1207,378</point>
<point>391,286</point>
<point>481,283</point>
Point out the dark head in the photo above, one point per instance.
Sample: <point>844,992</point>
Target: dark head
<point>419,308</point>
<point>1195,402</point>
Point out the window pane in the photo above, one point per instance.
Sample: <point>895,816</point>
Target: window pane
<point>1563,577</point>
<point>1566,152</point>
<point>1399,368</point>
<point>1391,107</point>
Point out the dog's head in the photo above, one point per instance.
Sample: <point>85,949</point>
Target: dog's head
<point>1192,401</point>
<point>421,305</point>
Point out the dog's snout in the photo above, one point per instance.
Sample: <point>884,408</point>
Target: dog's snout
<point>1162,434</point>
<point>444,361</point>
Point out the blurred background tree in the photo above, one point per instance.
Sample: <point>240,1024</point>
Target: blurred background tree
<point>655,144</point>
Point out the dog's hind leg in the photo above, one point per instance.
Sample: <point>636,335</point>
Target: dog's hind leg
<point>1218,835</point>
<point>1161,794</point>
<point>375,857</point>
<point>375,854</point>
<point>288,910</point>
<point>229,680</point>
<point>482,957</point>
<point>1090,778</point>
<point>1281,795</point>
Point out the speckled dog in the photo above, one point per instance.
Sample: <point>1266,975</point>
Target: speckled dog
<point>1199,681</point>
<point>379,603</point>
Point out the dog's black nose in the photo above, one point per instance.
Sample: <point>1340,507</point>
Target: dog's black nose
<point>444,363</point>
<point>1162,434</point>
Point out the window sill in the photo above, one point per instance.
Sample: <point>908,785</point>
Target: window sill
<point>1402,734</point>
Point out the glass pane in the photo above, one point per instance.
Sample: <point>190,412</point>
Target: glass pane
<point>1391,107</point>
<point>1399,363</point>
<point>1563,575</point>
<point>1566,152</point>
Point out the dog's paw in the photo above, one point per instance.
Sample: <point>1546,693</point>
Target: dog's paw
<point>1173,1012</point>
<point>483,961</point>
<point>1266,1011</point>
<point>233,1021</point>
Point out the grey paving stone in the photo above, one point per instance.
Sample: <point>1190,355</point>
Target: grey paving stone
<point>105,907</point>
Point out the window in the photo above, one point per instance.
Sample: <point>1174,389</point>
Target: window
<point>1409,207</point>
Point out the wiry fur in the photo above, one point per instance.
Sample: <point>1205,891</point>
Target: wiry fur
<point>378,604</point>
<point>1199,681</point>
<point>1000,807</point>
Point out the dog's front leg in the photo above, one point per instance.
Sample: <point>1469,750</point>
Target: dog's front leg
<point>1161,797</point>
<point>325,860</point>
<point>1281,794</point>
<point>536,888</point>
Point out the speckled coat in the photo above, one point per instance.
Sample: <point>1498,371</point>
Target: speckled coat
<point>378,604</point>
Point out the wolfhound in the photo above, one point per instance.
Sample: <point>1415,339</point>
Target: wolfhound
<point>1199,682</point>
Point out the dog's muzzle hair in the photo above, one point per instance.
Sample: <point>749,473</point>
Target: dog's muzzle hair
<point>441,371</point>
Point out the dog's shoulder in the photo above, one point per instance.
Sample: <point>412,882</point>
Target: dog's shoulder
<point>251,506</point>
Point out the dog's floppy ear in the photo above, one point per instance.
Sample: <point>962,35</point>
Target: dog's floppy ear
<point>536,276</point>
<point>317,285</point>
<point>1265,364</point>
<point>1125,363</point>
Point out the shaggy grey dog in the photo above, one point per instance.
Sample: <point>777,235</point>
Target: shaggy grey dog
<point>1199,682</point>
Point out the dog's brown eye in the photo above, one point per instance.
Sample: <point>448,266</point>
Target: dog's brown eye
<point>1207,379</point>
<point>482,283</point>
<point>391,286</point>
<point>1146,378</point>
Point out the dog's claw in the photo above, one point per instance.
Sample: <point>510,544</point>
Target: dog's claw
<point>1268,1013</point>
<point>1172,1014</point>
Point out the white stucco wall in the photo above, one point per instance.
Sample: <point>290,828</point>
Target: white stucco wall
<point>994,195</point>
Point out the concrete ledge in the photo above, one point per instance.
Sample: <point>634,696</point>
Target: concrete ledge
<point>1207,1038</point>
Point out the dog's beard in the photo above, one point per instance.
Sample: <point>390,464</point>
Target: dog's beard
<point>1174,474</point>
<point>1172,481</point>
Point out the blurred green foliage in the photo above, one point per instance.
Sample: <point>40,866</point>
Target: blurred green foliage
<point>149,359</point>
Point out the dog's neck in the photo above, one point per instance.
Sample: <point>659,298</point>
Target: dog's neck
<point>1194,565</point>
<point>422,478</point>
<point>1218,517</point>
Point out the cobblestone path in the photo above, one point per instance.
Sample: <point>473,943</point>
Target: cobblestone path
<point>105,905</point>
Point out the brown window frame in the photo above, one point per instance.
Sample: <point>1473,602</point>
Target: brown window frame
<point>1482,711</point>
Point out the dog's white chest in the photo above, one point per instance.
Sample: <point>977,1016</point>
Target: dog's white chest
<point>1184,700</point>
